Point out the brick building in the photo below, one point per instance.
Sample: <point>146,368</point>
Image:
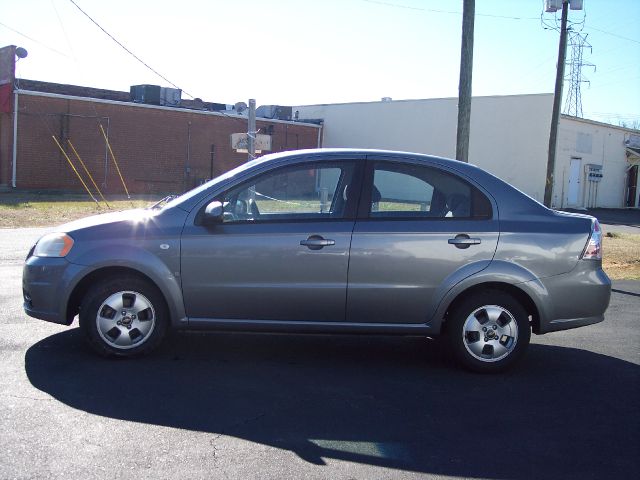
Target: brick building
<point>158,148</point>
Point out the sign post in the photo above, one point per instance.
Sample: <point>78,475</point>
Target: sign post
<point>240,142</point>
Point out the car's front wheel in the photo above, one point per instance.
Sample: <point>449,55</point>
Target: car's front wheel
<point>489,331</point>
<point>124,316</point>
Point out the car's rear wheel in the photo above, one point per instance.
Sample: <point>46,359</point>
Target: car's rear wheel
<point>489,331</point>
<point>124,316</point>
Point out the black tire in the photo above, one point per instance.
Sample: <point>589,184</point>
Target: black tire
<point>488,331</point>
<point>135,328</point>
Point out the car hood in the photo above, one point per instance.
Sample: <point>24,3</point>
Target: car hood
<point>133,216</point>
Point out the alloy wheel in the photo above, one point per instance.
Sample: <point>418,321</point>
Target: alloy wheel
<point>490,333</point>
<point>125,319</point>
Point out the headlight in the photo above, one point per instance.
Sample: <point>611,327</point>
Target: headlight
<point>54,245</point>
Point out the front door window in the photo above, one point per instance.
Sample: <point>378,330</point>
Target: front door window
<point>298,193</point>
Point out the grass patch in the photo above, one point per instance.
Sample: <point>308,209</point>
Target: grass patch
<point>621,256</point>
<point>22,209</point>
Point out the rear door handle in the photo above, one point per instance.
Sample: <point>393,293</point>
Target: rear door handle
<point>316,242</point>
<point>463,241</point>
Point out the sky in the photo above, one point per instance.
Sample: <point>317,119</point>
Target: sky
<point>301,52</point>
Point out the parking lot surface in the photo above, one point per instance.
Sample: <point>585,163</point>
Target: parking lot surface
<point>243,406</point>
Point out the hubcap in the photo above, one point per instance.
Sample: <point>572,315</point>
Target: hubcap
<point>125,319</point>
<point>490,333</point>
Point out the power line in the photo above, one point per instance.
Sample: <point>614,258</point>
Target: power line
<point>616,82</point>
<point>452,12</point>
<point>78,63</point>
<point>34,40</point>
<point>575,25</point>
<point>581,25</point>
<point>617,114</point>
<point>129,51</point>
<point>64,31</point>
<point>613,34</point>
<point>141,61</point>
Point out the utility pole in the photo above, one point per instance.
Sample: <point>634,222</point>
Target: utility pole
<point>557,100</point>
<point>464,87</point>
<point>251,134</point>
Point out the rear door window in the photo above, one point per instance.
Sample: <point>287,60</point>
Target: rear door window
<point>403,190</point>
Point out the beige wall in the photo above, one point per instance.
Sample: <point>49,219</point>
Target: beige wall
<point>592,143</point>
<point>509,133</point>
<point>509,138</point>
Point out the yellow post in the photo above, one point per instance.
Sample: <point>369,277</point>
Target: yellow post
<point>113,157</point>
<point>86,170</point>
<point>74,169</point>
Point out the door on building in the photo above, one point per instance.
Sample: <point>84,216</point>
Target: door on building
<point>632,186</point>
<point>573,191</point>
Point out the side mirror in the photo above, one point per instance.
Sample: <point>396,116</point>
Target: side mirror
<point>213,213</point>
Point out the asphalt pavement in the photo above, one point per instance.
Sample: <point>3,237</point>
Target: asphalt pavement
<point>242,406</point>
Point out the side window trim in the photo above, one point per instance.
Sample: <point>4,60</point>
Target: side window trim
<point>366,191</point>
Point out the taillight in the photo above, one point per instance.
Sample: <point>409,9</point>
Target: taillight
<point>593,250</point>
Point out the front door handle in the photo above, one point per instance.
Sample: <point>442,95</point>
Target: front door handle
<point>463,241</point>
<point>316,242</point>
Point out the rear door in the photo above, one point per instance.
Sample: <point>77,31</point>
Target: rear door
<point>420,230</point>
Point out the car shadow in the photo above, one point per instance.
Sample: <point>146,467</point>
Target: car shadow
<point>386,401</point>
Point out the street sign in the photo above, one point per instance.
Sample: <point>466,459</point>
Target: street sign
<point>240,141</point>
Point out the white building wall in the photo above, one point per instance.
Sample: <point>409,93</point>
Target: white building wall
<point>509,134</point>
<point>593,143</point>
<point>509,138</point>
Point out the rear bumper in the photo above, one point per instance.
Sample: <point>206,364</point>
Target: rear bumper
<point>573,299</point>
<point>566,324</point>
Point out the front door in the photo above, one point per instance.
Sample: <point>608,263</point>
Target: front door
<point>632,182</point>
<point>573,193</point>
<point>421,230</point>
<point>282,251</point>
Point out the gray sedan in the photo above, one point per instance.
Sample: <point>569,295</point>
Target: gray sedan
<point>329,241</point>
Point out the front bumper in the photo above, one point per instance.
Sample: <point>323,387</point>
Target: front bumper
<point>46,285</point>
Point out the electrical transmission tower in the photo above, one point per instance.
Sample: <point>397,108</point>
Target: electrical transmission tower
<point>573,99</point>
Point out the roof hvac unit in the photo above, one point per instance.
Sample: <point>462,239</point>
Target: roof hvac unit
<point>278,112</point>
<point>170,97</point>
<point>149,94</point>
<point>215,107</point>
<point>156,95</point>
